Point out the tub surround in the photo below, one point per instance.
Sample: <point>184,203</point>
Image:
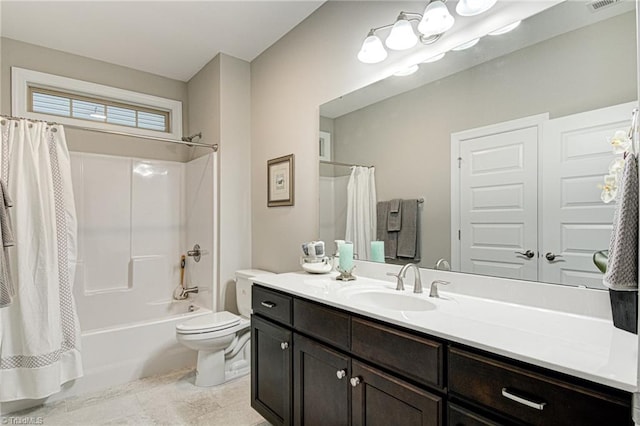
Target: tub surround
<point>566,331</point>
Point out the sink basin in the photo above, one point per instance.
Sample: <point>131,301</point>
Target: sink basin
<point>391,300</point>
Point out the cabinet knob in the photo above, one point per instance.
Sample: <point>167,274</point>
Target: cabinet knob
<point>341,374</point>
<point>355,381</point>
<point>284,345</point>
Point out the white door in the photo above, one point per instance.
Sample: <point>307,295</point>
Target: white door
<point>575,222</point>
<point>498,204</point>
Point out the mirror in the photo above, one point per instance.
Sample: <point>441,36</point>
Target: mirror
<point>559,65</point>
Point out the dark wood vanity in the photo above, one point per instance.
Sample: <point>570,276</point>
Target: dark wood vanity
<point>313,364</point>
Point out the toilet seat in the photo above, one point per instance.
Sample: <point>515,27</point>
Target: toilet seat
<point>209,323</point>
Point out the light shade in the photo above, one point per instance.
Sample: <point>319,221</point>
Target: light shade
<point>467,45</point>
<point>402,36</point>
<point>473,7</point>
<point>372,50</point>
<point>506,28</point>
<point>407,71</point>
<point>436,19</point>
<point>434,58</point>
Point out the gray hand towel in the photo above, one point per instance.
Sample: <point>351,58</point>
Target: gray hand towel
<point>408,240</point>
<point>394,219</point>
<point>7,290</point>
<point>390,238</point>
<point>622,267</point>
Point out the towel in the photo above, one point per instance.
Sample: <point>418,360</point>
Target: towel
<point>7,290</point>
<point>394,218</point>
<point>390,238</point>
<point>409,235</point>
<point>622,268</point>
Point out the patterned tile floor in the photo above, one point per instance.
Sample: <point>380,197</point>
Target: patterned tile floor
<point>170,399</point>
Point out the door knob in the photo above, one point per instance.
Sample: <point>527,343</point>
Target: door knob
<point>355,381</point>
<point>284,345</point>
<point>551,256</point>
<point>341,374</point>
<point>529,254</point>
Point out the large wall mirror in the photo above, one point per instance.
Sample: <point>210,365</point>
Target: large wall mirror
<point>504,143</point>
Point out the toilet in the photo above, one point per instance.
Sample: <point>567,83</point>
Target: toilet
<point>222,339</point>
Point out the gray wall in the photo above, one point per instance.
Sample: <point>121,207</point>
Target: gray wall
<point>24,55</point>
<point>407,137</point>
<point>219,105</point>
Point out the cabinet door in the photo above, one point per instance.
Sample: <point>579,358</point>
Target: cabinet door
<point>271,371</point>
<point>321,384</point>
<point>380,399</point>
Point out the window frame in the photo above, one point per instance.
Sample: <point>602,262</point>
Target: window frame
<point>22,79</point>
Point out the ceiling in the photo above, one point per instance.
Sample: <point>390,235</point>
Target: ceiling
<point>174,39</point>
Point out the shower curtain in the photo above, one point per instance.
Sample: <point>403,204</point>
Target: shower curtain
<point>361,210</point>
<point>40,333</point>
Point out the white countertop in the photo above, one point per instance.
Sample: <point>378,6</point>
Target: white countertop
<point>582,346</point>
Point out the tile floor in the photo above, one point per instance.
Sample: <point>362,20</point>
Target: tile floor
<point>170,399</point>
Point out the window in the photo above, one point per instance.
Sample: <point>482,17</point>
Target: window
<point>84,104</point>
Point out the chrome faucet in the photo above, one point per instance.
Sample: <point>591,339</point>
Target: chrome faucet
<point>434,288</point>
<point>417,284</point>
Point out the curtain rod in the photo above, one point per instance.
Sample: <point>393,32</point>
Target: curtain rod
<point>214,147</point>
<point>335,163</point>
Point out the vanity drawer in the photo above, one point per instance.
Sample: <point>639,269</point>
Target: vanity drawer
<point>412,356</point>
<point>459,416</point>
<point>270,304</point>
<point>532,397</point>
<point>326,324</point>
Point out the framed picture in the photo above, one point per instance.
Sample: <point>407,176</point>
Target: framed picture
<point>280,181</point>
<point>325,146</point>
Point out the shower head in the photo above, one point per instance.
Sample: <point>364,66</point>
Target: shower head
<point>192,137</point>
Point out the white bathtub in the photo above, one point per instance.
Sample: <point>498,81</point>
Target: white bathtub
<point>120,354</point>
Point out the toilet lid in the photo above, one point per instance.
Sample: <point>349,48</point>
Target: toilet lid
<point>210,322</point>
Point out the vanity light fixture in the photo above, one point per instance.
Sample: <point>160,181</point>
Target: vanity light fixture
<point>467,45</point>
<point>505,29</point>
<point>431,25</point>
<point>402,36</point>
<point>407,71</point>
<point>473,7</point>
<point>434,58</point>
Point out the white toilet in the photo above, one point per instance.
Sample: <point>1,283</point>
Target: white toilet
<point>222,338</point>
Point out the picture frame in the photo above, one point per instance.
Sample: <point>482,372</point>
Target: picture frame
<point>324,146</point>
<point>280,181</point>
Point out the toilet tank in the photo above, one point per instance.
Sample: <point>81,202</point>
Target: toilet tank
<point>243,289</point>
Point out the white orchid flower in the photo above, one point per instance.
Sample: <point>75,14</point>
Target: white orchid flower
<point>620,142</point>
<point>616,166</point>
<point>610,188</point>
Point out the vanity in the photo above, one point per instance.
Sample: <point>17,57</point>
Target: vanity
<point>334,353</point>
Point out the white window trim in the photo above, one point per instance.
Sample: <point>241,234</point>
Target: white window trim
<point>22,78</point>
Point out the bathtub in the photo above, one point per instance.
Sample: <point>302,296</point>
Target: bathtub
<point>119,354</point>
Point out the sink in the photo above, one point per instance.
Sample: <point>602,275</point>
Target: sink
<point>391,300</point>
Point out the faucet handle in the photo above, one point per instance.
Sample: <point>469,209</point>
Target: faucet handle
<point>400,285</point>
<point>433,292</point>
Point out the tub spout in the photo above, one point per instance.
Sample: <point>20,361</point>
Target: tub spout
<point>185,293</point>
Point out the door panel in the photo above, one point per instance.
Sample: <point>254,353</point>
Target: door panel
<point>321,390</point>
<point>575,222</point>
<point>498,204</point>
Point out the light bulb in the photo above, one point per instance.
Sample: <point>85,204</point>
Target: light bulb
<point>436,19</point>
<point>473,7</point>
<point>506,28</point>
<point>434,58</point>
<point>467,45</point>
<point>372,50</point>
<point>407,71</point>
<point>402,36</point>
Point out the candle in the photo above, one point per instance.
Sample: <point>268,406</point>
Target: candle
<point>346,256</point>
<point>377,251</point>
